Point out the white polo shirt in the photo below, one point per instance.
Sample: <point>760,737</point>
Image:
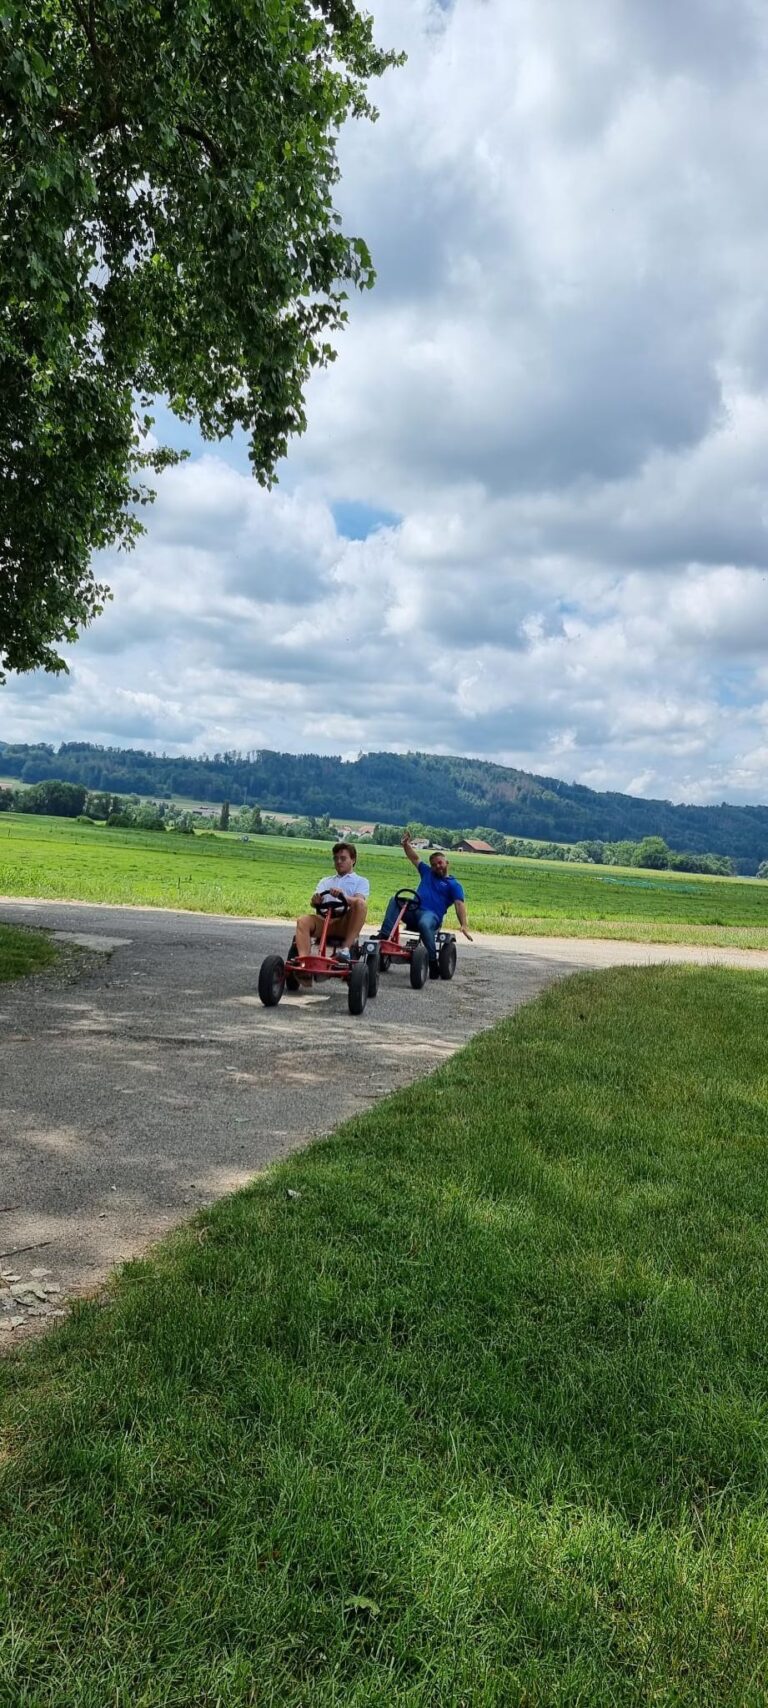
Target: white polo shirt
<point>350,885</point>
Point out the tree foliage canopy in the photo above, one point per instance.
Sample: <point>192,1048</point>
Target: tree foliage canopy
<point>167,227</point>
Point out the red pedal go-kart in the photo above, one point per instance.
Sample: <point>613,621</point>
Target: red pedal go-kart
<point>406,945</point>
<point>360,974</point>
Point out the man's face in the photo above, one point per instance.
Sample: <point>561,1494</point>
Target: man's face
<point>439,865</point>
<point>342,860</point>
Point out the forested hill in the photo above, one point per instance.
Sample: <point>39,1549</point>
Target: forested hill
<point>396,788</point>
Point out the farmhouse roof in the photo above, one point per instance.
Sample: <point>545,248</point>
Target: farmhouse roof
<point>474,845</point>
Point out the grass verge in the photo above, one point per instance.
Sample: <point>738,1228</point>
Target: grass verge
<point>463,1405</point>
<point>630,931</point>
<point>23,951</point>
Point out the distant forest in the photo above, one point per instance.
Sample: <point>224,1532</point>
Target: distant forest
<point>395,788</point>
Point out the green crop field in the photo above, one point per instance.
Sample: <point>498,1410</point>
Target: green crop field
<point>272,877</point>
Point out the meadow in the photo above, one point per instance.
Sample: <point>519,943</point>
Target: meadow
<point>463,1405</point>
<point>274,877</point>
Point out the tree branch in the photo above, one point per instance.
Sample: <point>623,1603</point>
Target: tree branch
<point>101,62</point>
<point>197,134</point>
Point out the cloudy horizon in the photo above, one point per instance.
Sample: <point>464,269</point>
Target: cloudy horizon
<point>528,520</point>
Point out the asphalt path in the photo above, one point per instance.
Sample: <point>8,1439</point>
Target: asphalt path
<point>154,1081</point>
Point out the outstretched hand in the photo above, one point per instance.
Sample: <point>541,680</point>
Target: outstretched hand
<point>467,934</point>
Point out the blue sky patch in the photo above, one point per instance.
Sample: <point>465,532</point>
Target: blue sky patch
<point>356,521</point>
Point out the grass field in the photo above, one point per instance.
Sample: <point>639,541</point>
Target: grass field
<point>267,876</point>
<point>465,1405</point>
<point>24,952</point>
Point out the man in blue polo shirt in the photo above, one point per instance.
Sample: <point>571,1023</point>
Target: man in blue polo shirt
<point>437,892</point>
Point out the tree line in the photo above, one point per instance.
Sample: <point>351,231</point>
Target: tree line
<point>60,799</point>
<point>394,788</point>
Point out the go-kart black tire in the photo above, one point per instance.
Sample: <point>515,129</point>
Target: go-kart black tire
<point>385,961</point>
<point>272,980</point>
<point>292,983</point>
<point>373,971</point>
<point>446,959</point>
<point>419,966</point>
<point>357,989</point>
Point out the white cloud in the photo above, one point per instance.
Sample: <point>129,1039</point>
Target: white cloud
<point>558,387</point>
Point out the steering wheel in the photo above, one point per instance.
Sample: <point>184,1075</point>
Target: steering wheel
<point>405,895</point>
<point>335,905</point>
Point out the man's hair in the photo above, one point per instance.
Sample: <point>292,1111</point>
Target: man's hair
<point>350,847</point>
<point>440,851</point>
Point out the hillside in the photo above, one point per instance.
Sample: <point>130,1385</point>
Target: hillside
<point>396,788</point>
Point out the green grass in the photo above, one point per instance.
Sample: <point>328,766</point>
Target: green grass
<point>272,876</point>
<point>476,1416</point>
<point>23,952</point>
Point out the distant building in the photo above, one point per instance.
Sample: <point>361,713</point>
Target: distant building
<point>472,845</point>
<point>420,842</point>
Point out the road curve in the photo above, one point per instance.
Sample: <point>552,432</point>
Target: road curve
<point>156,1081</point>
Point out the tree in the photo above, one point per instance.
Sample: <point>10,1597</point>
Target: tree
<point>167,227</point>
<point>652,852</point>
<point>61,800</point>
<point>621,853</point>
<point>149,815</point>
<point>224,816</point>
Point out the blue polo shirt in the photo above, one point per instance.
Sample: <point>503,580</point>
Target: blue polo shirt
<point>435,894</point>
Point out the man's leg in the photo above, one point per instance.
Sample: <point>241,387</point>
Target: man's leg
<point>390,917</point>
<point>307,927</point>
<point>428,924</point>
<point>353,921</point>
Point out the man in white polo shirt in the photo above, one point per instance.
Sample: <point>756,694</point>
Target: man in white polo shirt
<point>353,889</point>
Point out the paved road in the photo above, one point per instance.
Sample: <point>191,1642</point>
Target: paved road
<point>156,1082</point>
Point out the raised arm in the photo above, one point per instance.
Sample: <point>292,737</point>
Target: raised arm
<point>409,851</point>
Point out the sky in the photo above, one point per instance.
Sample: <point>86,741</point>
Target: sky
<point>528,519</point>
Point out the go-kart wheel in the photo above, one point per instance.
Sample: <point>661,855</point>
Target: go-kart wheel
<point>358,987</point>
<point>292,983</point>
<point>419,967</point>
<point>372,959</point>
<point>385,962</point>
<point>272,980</point>
<point>446,959</point>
